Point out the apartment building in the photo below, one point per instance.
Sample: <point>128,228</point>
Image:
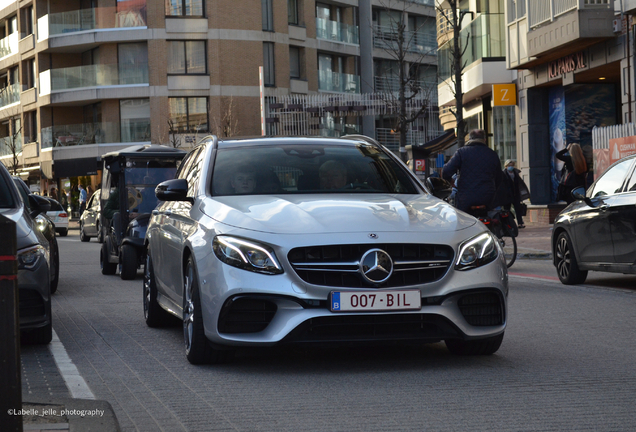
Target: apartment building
<point>80,78</point>
<point>575,72</point>
<point>483,36</point>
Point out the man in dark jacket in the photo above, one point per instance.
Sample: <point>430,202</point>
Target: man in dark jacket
<point>479,172</point>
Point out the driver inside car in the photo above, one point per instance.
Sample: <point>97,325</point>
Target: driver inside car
<point>333,175</point>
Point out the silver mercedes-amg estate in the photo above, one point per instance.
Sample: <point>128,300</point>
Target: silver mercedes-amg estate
<point>268,241</point>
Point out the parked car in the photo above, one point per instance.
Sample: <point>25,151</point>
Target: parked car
<point>34,253</point>
<point>270,241</point>
<point>598,231</point>
<point>91,219</point>
<point>45,226</point>
<point>59,217</point>
<point>127,198</point>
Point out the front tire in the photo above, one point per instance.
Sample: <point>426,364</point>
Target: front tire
<point>566,264</point>
<point>55,251</point>
<point>486,346</point>
<point>154,314</point>
<point>83,236</point>
<point>108,268</point>
<point>197,345</point>
<point>129,262</point>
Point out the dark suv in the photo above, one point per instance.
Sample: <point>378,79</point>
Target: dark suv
<point>34,260</point>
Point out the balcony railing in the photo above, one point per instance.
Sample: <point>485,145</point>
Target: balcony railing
<point>486,39</point>
<point>391,139</point>
<point>10,95</point>
<point>336,31</point>
<point>122,16</point>
<point>543,11</point>
<point>95,133</point>
<point>9,45</point>
<point>338,82</point>
<point>6,147</point>
<point>386,37</point>
<point>392,85</point>
<point>92,76</point>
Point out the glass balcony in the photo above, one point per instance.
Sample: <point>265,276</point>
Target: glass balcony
<point>127,14</point>
<point>486,39</point>
<point>95,133</point>
<point>392,85</point>
<point>9,45</point>
<point>10,95</point>
<point>6,147</point>
<point>92,76</point>
<point>386,37</point>
<point>336,31</point>
<point>338,82</point>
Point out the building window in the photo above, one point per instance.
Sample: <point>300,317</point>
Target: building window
<point>30,73</point>
<point>294,62</point>
<point>189,114</point>
<point>135,120</point>
<point>268,64</point>
<point>268,15</point>
<point>184,8</point>
<point>27,21</point>
<point>31,126</point>
<point>292,12</point>
<point>186,57</point>
<point>133,63</point>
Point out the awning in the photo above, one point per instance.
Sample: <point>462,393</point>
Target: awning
<point>46,169</point>
<point>439,144</point>
<point>75,167</point>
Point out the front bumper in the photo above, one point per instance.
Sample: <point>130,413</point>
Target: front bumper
<point>35,296</point>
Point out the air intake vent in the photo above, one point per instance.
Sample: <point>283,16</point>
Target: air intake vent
<point>482,309</point>
<point>246,315</point>
<point>31,304</point>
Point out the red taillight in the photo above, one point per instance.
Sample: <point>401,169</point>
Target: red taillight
<point>62,215</point>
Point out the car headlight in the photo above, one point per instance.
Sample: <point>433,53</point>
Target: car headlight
<point>28,258</point>
<point>246,255</point>
<point>477,251</point>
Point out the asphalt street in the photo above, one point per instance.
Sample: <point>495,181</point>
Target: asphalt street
<point>566,363</point>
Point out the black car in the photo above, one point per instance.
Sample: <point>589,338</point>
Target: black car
<point>45,225</point>
<point>34,254</point>
<point>598,231</point>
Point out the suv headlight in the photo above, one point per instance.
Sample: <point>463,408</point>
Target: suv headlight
<point>28,258</point>
<point>246,255</point>
<point>477,251</point>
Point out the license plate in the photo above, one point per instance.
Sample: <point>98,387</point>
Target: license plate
<point>363,301</point>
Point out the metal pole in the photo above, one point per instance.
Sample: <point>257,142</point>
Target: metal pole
<point>10,378</point>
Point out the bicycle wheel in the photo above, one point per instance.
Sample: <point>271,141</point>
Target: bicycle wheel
<point>509,245</point>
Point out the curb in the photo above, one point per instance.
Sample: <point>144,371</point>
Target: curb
<point>69,414</point>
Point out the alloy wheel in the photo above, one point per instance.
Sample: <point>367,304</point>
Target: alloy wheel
<point>188,308</point>
<point>563,258</point>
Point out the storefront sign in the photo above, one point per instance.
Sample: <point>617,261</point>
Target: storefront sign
<point>621,147</point>
<point>566,64</point>
<point>420,165</point>
<point>504,94</point>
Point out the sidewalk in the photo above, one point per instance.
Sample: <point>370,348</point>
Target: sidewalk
<point>533,241</point>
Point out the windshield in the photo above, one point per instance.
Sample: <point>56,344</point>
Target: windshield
<point>302,169</point>
<point>142,176</point>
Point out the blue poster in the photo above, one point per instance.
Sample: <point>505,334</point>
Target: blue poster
<point>557,134</point>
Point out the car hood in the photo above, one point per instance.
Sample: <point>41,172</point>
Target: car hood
<point>24,234</point>
<point>334,213</point>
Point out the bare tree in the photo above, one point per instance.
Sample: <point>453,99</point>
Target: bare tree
<point>173,132</point>
<point>449,14</point>
<point>228,124</point>
<point>12,143</point>
<point>411,97</point>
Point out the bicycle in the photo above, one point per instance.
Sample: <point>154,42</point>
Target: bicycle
<point>503,226</point>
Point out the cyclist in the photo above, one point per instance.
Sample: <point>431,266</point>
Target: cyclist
<point>479,171</point>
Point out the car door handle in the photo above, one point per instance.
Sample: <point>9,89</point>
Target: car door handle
<point>168,212</point>
<point>155,212</point>
<point>604,207</point>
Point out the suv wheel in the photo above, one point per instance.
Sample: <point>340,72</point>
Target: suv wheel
<point>154,314</point>
<point>129,262</point>
<point>83,236</point>
<point>567,267</point>
<point>108,268</point>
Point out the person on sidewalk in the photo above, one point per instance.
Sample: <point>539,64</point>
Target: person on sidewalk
<point>82,199</point>
<point>516,190</point>
<point>573,173</point>
<point>479,171</point>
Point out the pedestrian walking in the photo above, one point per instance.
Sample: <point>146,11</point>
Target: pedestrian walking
<point>82,199</point>
<point>516,191</point>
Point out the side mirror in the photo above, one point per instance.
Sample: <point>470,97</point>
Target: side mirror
<point>439,187</point>
<point>579,195</point>
<point>173,190</point>
<point>38,205</point>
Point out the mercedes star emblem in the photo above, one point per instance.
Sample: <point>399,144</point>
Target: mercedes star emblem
<point>376,266</point>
